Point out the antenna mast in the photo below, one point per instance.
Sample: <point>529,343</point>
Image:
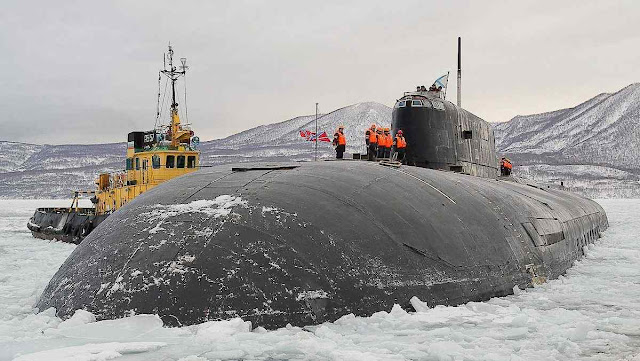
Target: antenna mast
<point>315,157</point>
<point>173,74</point>
<point>459,72</point>
<point>175,131</point>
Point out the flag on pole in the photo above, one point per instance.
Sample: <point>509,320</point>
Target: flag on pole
<point>311,136</point>
<point>441,82</point>
<point>324,137</point>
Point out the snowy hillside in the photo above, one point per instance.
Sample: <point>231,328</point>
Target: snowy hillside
<point>51,171</point>
<point>283,141</point>
<point>13,155</point>
<point>593,147</point>
<point>29,170</point>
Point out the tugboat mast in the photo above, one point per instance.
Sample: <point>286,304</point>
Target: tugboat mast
<point>173,74</point>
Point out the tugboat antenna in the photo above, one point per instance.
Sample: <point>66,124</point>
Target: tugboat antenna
<point>173,74</point>
<point>184,67</point>
<point>174,105</point>
<point>158,106</point>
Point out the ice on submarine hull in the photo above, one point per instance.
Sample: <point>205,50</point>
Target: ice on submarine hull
<point>314,241</point>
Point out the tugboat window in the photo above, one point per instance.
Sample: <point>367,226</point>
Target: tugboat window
<point>129,164</point>
<point>191,161</point>
<point>181,161</point>
<point>171,161</point>
<point>401,104</point>
<point>137,163</point>
<point>467,134</point>
<point>416,103</point>
<point>155,162</point>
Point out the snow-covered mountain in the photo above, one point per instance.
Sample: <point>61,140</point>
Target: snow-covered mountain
<point>50,171</point>
<point>282,140</point>
<point>593,147</point>
<point>13,155</point>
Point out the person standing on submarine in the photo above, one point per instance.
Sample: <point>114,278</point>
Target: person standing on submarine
<point>505,167</point>
<point>340,142</point>
<point>371,139</point>
<point>400,145</point>
<point>388,142</point>
<point>381,142</point>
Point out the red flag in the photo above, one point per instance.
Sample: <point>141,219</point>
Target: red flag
<point>311,136</point>
<point>324,137</point>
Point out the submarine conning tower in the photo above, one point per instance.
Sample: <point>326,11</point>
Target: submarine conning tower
<point>441,135</point>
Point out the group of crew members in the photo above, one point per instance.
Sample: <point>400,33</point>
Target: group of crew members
<point>433,88</point>
<point>380,143</point>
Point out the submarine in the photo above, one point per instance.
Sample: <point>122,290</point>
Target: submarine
<point>309,242</point>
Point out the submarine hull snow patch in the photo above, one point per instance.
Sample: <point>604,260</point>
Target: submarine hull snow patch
<point>311,242</point>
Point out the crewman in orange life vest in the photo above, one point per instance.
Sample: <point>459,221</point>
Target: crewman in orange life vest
<point>388,142</point>
<point>371,139</point>
<point>400,145</point>
<point>381,142</point>
<point>340,142</point>
<point>505,166</point>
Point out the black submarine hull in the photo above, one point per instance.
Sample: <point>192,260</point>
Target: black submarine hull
<point>64,224</point>
<point>311,242</point>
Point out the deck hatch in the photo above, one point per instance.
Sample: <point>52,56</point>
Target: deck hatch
<point>264,167</point>
<point>544,231</point>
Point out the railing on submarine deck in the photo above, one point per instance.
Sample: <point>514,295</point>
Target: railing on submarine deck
<point>426,93</point>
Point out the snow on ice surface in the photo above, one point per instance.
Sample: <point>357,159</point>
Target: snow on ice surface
<point>93,351</point>
<point>592,313</point>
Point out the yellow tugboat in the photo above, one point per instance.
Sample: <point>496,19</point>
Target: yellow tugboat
<point>153,157</point>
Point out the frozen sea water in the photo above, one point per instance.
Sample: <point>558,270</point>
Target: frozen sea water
<point>592,313</point>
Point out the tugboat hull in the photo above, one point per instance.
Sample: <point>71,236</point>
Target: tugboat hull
<point>63,224</point>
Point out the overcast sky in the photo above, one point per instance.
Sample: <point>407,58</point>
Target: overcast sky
<point>86,71</point>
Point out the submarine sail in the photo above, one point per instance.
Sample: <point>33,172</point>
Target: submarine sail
<point>441,135</point>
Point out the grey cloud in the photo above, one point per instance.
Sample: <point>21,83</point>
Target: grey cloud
<point>87,71</point>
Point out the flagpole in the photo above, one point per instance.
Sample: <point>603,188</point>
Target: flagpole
<point>316,140</point>
<point>445,88</point>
